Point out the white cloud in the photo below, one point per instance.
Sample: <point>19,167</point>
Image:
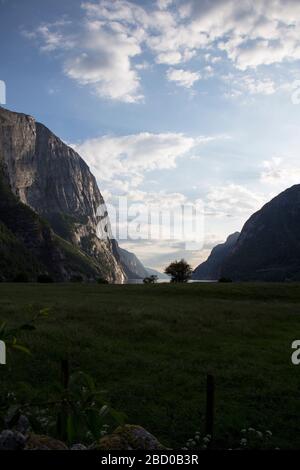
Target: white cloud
<point>99,54</point>
<point>170,58</point>
<point>251,33</point>
<point>265,86</point>
<point>100,51</point>
<point>183,78</point>
<point>106,65</point>
<point>238,85</point>
<point>159,254</point>
<point>233,200</point>
<point>163,4</point>
<point>280,173</point>
<point>131,156</point>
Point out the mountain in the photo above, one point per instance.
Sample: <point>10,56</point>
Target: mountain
<point>132,266</point>
<point>153,272</point>
<point>54,202</point>
<point>211,268</point>
<point>268,248</point>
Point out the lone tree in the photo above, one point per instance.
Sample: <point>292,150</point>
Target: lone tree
<point>150,279</point>
<point>180,271</point>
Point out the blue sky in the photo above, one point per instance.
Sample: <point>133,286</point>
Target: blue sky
<point>170,102</point>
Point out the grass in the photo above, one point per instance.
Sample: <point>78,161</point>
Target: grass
<point>151,347</point>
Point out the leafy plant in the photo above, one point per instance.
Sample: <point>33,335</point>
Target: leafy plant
<point>9,334</point>
<point>83,412</point>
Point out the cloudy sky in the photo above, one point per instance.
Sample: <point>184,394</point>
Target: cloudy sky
<point>171,103</point>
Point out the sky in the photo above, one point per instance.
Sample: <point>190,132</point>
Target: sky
<point>173,104</point>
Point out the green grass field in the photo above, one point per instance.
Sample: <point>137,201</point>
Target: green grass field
<point>151,347</point>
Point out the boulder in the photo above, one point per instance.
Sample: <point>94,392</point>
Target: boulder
<point>130,437</point>
<point>40,442</point>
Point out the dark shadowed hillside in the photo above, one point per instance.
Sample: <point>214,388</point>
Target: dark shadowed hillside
<point>269,245</point>
<point>211,268</point>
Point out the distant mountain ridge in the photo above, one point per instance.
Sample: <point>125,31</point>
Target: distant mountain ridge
<point>210,270</point>
<point>267,249</point>
<point>132,266</point>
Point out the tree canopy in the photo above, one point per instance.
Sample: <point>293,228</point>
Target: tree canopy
<point>179,271</point>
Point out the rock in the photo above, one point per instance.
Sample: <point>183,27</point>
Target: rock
<point>53,180</point>
<point>130,437</point>
<point>12,440</point>
<point>40,442</point>
<point>23,424</point>
<point>78,447</point>
<point>132,266</point>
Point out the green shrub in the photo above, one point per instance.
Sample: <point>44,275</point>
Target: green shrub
<point>21,277</point>
<point>76,278</point>
<point>225,279</point>
<point>100,280</point>
<point>44,278</point>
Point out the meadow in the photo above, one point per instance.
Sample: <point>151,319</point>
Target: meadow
<point>150,348</point>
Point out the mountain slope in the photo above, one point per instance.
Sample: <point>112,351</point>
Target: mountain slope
<point>132,266</point>
<point>54,181</point>
<point>269,245</point>
<point>211,268</point>
<point>29,246</point>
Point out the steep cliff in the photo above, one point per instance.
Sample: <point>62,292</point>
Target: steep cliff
<point>132,266</point>
<point>211,268</point>
<point>53,180</point>
<point>268,248</point>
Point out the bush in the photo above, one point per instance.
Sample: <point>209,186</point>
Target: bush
<point>100,280</point>
<point>225,279</point>
<point>76,278</point>
<point>44,278</point>
<point>179,271</point>
<point>21,277</point>
<point>150,279</point>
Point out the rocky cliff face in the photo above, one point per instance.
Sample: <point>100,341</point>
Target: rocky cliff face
<point>132,266</point>
<point>211,268</point>
<point>268,248</point>
<point>54,181</point>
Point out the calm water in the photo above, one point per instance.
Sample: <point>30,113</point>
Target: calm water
<point>160,281</point>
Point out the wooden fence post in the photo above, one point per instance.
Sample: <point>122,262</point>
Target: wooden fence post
<point>210,405</point>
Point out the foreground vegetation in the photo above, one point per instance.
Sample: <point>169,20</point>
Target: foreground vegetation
<point>150,347</point>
